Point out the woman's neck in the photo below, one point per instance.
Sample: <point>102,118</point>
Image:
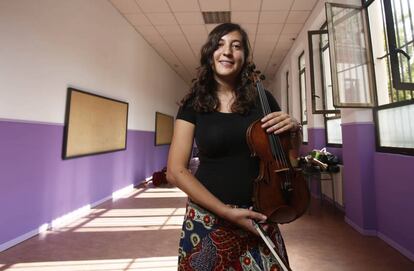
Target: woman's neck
<point>226,96</point>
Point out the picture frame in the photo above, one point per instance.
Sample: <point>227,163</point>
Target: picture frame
<point>164,128</point>
<point>94,124</point>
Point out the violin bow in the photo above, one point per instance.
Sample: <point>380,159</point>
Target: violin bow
<point>271,246</point>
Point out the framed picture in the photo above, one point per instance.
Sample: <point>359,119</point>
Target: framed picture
<point>164,127</point>
<point>94,124</point>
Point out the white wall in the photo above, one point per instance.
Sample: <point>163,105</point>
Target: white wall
<point>48,45</point>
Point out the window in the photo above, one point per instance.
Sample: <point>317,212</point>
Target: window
<point>392,22</point>
<point>302,89</point>
<point>321,85</point>
<point>320,71</point>
<point>351,59</point>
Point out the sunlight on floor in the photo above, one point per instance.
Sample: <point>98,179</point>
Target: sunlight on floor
<point>159,192</point>
<point>142,264</point>
<point>138,219</point>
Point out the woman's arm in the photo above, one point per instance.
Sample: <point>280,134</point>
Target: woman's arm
<point>180,176</point>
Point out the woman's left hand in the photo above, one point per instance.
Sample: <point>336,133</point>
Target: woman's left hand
<point>279,122</point>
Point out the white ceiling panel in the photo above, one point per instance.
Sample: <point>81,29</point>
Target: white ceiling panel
<point>283,45</point>
<point>247,17</point>
<point>250,29</point>
<point>169,30</point>
<point>210,27</point>
<point>126,6</point>
<point>176,41</point>
<point>165,51</point>
<point>182,70</point>
<point>153,5</point>
<point>153,39</point>
<point>137,19</point>
<point>287,37</point>
<point>183,5</point>
<point>262,56</point>
<point>303,4</point>
<point>183,51</point>
<point>147,30</point>
<point>191,63</point>
<point>269,29</point>
<point>196,47</point>
<point>189,18</point>
<point>292,28</point>
<point>269,5</point>
<point>198,30</point>
<point>162,18</point>
<point>273,17</point>
<point>176,29</point>
<point>297,17</point>
<point>278,57</point>
<point>245,5</point>
<point>214,5</point>
<point>261,62</point>
<point>268,40</point>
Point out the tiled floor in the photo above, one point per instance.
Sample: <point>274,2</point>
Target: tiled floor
<point>141,231</point>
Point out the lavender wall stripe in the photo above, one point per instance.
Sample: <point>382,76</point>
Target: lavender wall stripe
<point>394,182</point>
<point>359,185</point>
<point>37,186</point>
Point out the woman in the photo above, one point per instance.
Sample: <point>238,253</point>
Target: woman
<point>217,231</point>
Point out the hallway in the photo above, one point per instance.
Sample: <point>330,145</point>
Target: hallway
<point>140,231</point>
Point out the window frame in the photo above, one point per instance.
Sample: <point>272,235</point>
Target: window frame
<point>372,92</point>
<point>302,72</point>
<point>325,120</point>
<point>312,75</point>
<point>387,149</point>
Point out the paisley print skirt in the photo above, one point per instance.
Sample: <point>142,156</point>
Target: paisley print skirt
<point>209,243</point>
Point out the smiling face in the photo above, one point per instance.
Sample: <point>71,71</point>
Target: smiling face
<point>228,58</point>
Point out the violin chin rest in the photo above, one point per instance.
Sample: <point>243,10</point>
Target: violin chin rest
<point>283,214</point>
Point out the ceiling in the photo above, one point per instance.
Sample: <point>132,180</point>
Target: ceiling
<point>176,28</point>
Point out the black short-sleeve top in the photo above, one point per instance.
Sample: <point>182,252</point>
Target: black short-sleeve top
<point>226,167</point>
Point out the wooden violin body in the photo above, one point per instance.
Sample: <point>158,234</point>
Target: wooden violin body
<point>280,190</point>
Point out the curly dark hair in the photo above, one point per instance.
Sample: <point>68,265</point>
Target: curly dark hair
<point>203,96</point>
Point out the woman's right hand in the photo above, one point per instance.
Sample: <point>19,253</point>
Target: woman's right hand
<point>243,218</point>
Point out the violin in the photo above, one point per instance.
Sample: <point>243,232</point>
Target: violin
<point>280,191</point>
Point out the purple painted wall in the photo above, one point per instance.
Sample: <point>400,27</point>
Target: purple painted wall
<point>359,182</point>
<point>394,180</point>
<point>37,186</point>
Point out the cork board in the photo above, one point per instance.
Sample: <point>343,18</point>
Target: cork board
<point>93,124</point>
<point>164,127</point>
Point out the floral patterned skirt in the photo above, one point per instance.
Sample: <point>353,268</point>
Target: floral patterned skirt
<point>210,243</point>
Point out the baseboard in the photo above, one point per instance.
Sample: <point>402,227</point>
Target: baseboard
<point>359,229</point>
<point>395,245</point>
<point>383,237</point>
<point>330,201</point>
<point>65,219</point>
<point>23,237</point>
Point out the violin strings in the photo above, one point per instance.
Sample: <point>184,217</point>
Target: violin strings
<point>274,140</point>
